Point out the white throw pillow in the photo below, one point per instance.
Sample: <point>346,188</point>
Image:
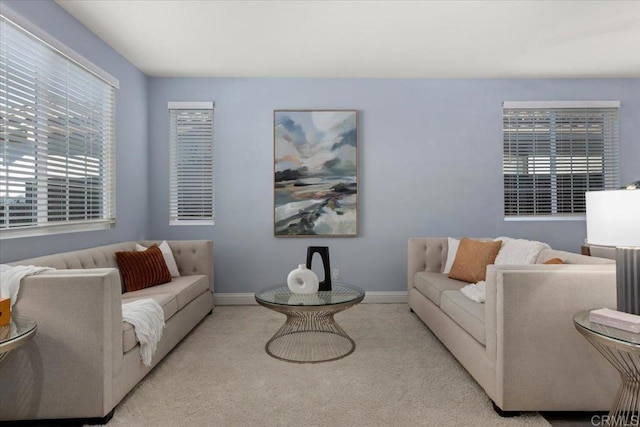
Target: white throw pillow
<point>167,254</point>
<point>451,254</point>
<point>519,251</point>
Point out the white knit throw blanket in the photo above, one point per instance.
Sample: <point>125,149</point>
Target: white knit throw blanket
<point>147,318</point>
<point>519,251</point>
<point>475,291</point>
<point>10,277</point>
<point>512,252</point>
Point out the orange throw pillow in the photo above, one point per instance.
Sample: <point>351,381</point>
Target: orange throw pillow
<point>554,261</point>
<point>144,269</point>
<point>472,259</point>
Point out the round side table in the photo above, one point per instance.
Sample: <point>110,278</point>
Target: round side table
<point>16,333</point>
<point>622,350</point>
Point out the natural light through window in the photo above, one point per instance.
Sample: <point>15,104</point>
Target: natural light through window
<point>553,152</point>
<point>57,136</point>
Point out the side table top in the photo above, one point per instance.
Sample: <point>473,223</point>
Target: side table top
<point>340,293</point>
<point>581,319</point>
<point>19,330</point>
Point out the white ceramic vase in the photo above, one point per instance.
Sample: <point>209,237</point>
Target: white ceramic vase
<point>302,280</point>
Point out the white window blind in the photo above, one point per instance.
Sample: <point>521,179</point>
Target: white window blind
<point>57,136</point>
<point>554,153</point>
<point>191,163</point>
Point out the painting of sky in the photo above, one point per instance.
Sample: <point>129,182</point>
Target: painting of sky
<point>315,173</point>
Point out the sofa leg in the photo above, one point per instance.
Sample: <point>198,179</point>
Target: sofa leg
<point>99,421</point>
<point>210,312</point>
<point>504,414</point>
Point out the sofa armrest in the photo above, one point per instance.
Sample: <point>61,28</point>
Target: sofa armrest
<point>78,341</point>
<point>192,256</point>
<point>425,254</point>
<point>529,321</point>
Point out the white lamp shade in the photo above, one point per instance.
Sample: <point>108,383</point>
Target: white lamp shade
<point>613,218</point>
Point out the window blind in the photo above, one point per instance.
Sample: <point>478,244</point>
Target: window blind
<point>553,154</point>
<point>57,136</point>
<point>191,163</point>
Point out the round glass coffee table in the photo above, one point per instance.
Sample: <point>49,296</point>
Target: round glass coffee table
<point>310,334</point>
<point>622,350</point>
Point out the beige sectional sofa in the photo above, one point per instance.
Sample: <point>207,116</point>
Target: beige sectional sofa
<point>84,359</point>
<point>520,345</point>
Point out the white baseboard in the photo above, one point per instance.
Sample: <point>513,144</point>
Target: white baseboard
<point>385,297</point>
<point>245,298</point>
<point>248,298</point>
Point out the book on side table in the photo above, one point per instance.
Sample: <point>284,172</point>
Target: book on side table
<point>616,319</point>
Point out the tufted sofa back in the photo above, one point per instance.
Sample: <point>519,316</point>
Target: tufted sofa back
<point>430,253</point>
<point>98,257</point>
<point>192,257</point>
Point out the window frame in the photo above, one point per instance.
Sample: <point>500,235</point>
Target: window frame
<point>46,202</point>
<point>205,148</point>
<point>610,165</point>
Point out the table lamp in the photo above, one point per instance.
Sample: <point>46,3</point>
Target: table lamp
<point>613,219</point>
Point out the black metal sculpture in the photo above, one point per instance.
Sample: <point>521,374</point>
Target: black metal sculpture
<point>325,285</point>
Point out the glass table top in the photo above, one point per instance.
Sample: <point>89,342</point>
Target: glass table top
<point>582,319</point>
<point>16,330</point>
<point>340,293</point>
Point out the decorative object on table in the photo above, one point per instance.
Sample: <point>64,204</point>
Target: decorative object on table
<point>302,280</point>
<point>315,173</point>
<point>323,251</point>
<point>616,319</point>
<point>613,219</point>
<point>5,311</point>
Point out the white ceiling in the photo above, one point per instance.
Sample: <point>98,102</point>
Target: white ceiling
<point>297,38</point>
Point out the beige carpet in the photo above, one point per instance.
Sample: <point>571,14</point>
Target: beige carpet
<point>399,375</point>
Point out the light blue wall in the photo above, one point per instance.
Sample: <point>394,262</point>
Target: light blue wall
<point>131,128</point>
<point>430,164</point>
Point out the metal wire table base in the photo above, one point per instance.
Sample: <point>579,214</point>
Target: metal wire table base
<point>626,359</point>
<point>310,336</point>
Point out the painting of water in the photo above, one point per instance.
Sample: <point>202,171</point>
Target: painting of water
<point>315,173</point>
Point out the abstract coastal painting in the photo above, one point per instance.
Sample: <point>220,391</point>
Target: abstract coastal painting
<point>315,173</point>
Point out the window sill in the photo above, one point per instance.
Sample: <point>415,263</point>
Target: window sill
<point>546,218</point>
<point>16,233</point>
<point>194,222</point>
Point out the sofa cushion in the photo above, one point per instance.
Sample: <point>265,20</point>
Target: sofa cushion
<point>432,284</point>
<point>169,306</point>
<point>184,288</point>
<point>466,313</point>
<point>472,259</point>
<point>141,270</point>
